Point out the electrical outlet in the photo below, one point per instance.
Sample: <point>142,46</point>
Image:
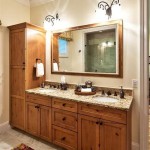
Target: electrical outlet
<point>134,83</point>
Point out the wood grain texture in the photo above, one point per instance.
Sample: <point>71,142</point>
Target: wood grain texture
<point>65,119</point>
<point>24,38</point>
<point>88,133</point>
<point>64,104</point>
<point>17,113</point>
<point>32,118</point>
<point>64,138</point>
<point>103,112</point>
<point>112,136</point>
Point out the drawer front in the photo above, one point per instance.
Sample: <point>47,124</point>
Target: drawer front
<point>64,104</point>
<point>103,113</point>
<point>65,138</point>
<point>64,119</point>
<point>38,99</point>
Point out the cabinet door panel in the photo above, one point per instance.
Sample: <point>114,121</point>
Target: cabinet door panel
<point>112,136</point>
<point>17,51</point>
<point>32,118</point>
<point>17,81</point>
<point>17,112</point>
<point>65,138</point>
<point>64,119</point>
<point>45,122</point>
<point>88,133</point>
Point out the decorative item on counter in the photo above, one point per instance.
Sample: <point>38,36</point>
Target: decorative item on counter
<point>121,92</point>
<point>86,90</point>
<point>63,84</point>
<point>88,84</point>
<point>78,88</point>
<point>83,90</point>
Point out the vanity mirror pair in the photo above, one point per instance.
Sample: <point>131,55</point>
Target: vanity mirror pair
<point>89,50</point>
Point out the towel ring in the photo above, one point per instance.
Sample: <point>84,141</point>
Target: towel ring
<point>38,59</point>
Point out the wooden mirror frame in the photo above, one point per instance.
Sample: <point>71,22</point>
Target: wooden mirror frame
<point>54,46</point>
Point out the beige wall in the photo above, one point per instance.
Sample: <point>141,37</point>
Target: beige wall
<point>11,13</point>
<point>81,12</point>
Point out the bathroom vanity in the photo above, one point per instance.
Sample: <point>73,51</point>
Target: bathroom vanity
<point>78,122</point>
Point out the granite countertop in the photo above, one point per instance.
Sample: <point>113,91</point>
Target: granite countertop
<point>122,104</point>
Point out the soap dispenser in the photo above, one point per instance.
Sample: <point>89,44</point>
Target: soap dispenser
<point>121,92</point>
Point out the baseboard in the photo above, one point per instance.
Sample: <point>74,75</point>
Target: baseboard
<point>4,127</point>
<point>135,146</point>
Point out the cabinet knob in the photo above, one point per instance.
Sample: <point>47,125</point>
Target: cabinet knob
<point>101,123</point>
<point>97,122</point>
<point>63,138</point>
<point>23,63</point>
<point>64,118</point>
<point>23,68</point>
<point>64,104</point>
<point>117,134</point>
<point>37,106</point>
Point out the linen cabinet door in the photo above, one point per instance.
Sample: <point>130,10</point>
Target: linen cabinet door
<point>32,118</point>
<point>17,81</point>
<point>88,133</point>
<point>17,113</point>
<point>17,47</point>
<point>45,123</point>
<point>112,136</point>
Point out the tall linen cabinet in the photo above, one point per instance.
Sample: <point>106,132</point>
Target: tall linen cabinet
<point>27,43</point>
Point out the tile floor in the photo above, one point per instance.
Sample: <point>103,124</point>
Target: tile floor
<point>12,138</point>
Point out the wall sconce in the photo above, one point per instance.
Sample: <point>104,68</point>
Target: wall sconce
<point>104,6</point>
<point>50,18</point>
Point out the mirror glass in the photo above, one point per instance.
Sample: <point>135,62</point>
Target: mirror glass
<point>88,50</point>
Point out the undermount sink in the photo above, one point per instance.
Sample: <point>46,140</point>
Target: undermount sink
<point>44,90</point>
<point>105,99</point>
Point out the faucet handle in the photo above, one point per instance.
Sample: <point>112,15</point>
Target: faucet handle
<point>103,93</point>
<point>108,93</point>
<point>115,93</point>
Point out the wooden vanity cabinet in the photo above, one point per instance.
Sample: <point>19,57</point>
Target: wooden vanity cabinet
<point>64,123</point>
<point>97,130</point>
<point>78,126</point>
<point>38,116</point>
<point>27,42</point>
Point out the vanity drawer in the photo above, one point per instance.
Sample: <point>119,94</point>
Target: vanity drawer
<point>65,138</point>
<point>38,99</point>
<point>64,119</point>
<point>106,113</point>
<point>64,104</point>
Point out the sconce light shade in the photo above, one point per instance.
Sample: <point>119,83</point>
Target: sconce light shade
<point>50,18</point>
<point>104,6</point>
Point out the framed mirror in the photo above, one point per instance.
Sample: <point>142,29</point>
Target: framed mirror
<point>89,50</point>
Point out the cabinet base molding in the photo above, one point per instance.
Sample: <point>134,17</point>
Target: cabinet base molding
<point>135,146</point>
<point>4,127</point>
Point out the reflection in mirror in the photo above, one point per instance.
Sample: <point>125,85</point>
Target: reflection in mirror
<point>88,50</point>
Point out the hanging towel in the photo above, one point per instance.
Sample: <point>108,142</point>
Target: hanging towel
<point>39,69</point>
<point>55,67</point>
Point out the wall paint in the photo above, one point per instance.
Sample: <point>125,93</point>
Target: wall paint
<point>11,12</point>
<point>77,12</point>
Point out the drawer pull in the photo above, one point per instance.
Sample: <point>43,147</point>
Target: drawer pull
<point>63,138</point>
<point>101,123</point>
<point>64,104</point>
<point>117,134</point>
<point>37,106</point>
<point>64,118</point>
<point>97,122</point>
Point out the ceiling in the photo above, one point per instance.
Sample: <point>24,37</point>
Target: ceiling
<point>33,3</point>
